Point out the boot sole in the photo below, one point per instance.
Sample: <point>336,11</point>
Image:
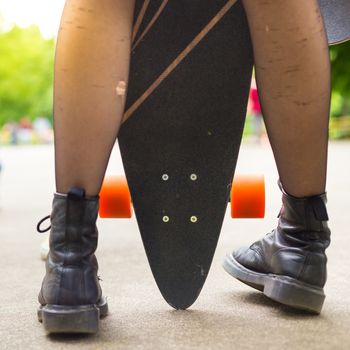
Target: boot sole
<point>82,319</point>
<point>283,289</point>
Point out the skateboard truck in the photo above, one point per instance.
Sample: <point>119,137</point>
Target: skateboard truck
<point>247,197</point>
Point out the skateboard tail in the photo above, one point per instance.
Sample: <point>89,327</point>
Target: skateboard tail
<point>184,297</point>
<point>181,277</point>
<point>182,303</point>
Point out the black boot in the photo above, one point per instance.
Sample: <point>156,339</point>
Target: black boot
<point>71,297</point>
<point>289,264</point>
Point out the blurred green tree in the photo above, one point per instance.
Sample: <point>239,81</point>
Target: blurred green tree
<point>26,74</point>
<point>340,58</point>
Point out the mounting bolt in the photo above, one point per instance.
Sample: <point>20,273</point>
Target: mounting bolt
<point>193,177</point>
<point>194,219</point>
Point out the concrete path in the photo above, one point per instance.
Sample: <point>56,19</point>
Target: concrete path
<point>227,315</point>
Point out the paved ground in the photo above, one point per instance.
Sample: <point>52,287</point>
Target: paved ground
<point>227,315</point>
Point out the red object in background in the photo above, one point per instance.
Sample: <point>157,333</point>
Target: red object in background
<point>25,123</point>
<point>255,102</point>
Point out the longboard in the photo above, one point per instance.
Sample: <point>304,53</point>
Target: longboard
<point>336,15</point>
<point>190,74</point>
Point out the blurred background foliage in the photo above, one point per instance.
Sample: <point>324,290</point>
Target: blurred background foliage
<point>26,75</point>
<point>340,58</point>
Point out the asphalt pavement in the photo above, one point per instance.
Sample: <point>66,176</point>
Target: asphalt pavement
<point>227,315</point>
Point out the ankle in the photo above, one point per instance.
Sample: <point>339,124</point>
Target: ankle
<point>301,193</point>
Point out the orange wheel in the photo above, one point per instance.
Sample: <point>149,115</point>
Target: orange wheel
<point>248,196</point>
<point>115,199</point>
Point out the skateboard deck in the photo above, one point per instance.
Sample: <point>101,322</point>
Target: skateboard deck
<point>336,15</point>
<point>190,75</point>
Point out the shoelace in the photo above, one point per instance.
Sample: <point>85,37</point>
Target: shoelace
<point>49,228</point>
<point>41,222</point>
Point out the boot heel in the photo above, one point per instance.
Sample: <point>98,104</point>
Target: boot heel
<point>70,319</point>
<point>294,293</point>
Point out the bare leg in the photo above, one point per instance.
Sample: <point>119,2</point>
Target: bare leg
<point>292,68</point>
<point>91,72</point>
<point>293,76</point>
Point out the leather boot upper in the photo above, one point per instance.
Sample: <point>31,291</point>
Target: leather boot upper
<point>71,267</point>
<point>297,247</point>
